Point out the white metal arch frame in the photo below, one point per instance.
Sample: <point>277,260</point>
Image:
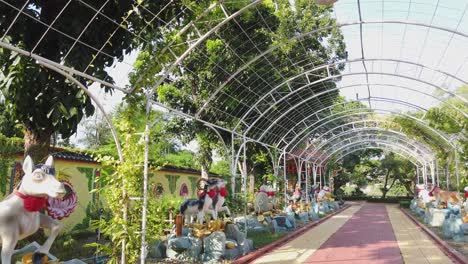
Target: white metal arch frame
<point>354,150</point>
<point>397,140</point>
<point>298,120</point>
<point>355,112</point>
<point>388,143</point>
<point>376,131</point>
<point>354,129</point>
<point>344,103</point>
<point>316,31</point>
<point>348,113</point>
<point>331,77</point>
<point>290,109</point>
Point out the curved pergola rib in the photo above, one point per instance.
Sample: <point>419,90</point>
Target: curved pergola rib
<point>354,112</point>
<point>366,131</point>
<point>371,138</point>
<point>316,31</point>
<point>387,143</point>
<point>271,107</point>
<point>353,150</point>
<point>279,86</point>
<point>351,86</point>
<point>330,108</point>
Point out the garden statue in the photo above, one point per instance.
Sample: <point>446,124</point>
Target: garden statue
<point>265,199</point>
<point>297,195</point>
<point>324,194</point>
<point>20,214</point>
<point>219,186</point>
<point>424,195</point>
<point>202,205</point>
<point>465,205</point>
<point>445,196</point>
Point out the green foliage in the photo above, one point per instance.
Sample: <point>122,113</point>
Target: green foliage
<point>42,100</point>
<point>263,238</point>
<point>221,168</point>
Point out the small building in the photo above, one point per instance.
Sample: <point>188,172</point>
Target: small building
<point>81,170</point>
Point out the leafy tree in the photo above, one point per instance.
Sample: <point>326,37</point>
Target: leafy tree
<point>42,100</point>
<point>190,85</point>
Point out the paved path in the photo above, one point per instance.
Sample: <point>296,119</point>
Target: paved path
<point>416,246</point>
<point>363,233</point>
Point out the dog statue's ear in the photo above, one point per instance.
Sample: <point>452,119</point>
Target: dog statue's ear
<point>50,161</point>
<point>28,165</point>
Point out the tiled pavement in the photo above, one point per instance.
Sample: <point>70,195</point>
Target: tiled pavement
<point>416,247</point>
<point>367,233</point>
<point>299,249</point>
<point>365,238</point>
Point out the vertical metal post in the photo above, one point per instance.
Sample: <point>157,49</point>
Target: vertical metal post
<point>299,172</point>
<point>233,167</point>
<point>285,178</point>
<point>320,177</point>
<point>456,168</point>
<point>447,176</point>
<point>245,183</point>
<point>424,174</point>
<point>417,174</point>
<point>307,181</point>
<point>431,167</point>
<point>437,172</point>
<point>314,173</point>
<point>144,245</point>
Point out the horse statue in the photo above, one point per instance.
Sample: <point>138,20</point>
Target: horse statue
<point>20,214</point>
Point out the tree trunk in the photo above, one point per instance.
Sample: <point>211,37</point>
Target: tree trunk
<point>251,183</point>
<point>205,171</point>
<point>36,145</point>
<point>384,189</point>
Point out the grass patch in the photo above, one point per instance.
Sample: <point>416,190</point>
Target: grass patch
<point>262,238</point>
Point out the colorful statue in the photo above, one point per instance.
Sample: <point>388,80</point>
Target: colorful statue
<point>199,207</point>
<point>296,196</point>
<point>20,214</point>
<point>219,185</point>
<point>265,199</point>
<point>324,194</point>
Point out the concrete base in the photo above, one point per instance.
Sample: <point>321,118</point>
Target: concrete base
<point>435,217</point>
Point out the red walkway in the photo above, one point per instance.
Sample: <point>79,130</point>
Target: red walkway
<point>366,238</point>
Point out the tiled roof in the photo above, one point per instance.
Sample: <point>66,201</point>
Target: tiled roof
<point>184,170</point>
<point>69,155</point>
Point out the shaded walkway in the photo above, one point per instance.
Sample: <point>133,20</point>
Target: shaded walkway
<point>366,238</point>
<point>363,233</point>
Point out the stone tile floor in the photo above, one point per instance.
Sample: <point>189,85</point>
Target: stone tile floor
<point>363,233</point>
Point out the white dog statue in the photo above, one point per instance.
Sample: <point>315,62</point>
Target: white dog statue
<point>19,212</point>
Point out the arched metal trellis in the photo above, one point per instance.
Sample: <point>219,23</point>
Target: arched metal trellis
<point>283,110</point>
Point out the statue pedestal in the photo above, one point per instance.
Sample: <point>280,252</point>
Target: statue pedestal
<point>436,217</point>
<point>30,248</point>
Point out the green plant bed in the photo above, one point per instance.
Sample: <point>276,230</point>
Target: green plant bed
<point>262,238</point>
<point>405,203</point>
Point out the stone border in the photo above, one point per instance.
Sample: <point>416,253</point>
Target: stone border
<point>453,254</point>
<point>280,242</point>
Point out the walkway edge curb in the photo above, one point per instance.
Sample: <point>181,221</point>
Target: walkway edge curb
<point>278,243</point>
<point>444,246</point>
